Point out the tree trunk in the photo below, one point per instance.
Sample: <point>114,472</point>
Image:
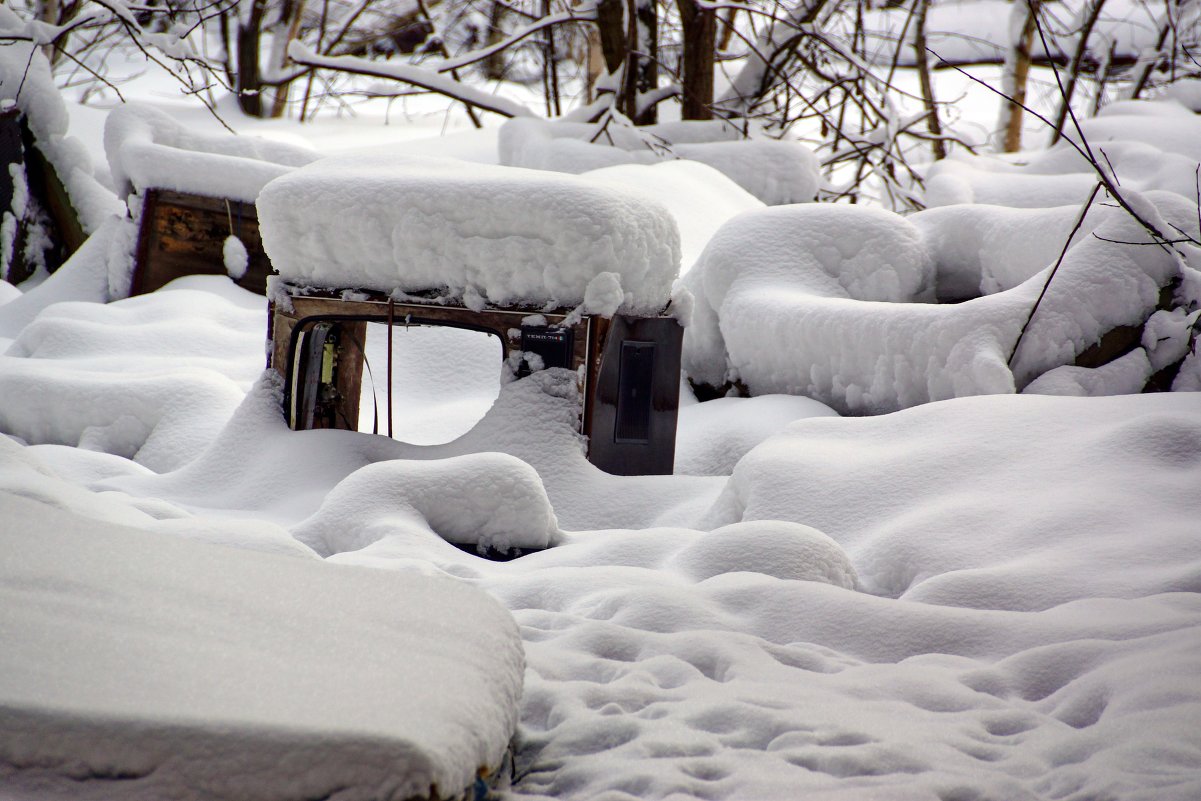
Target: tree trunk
<point>923,70</point>
<point>49,13</point>
<point>611,26</point>
<point>628,31</point>
<point>643,55</point>
<point>250,78</point>
<point>494,65</point>
<point>293,15</point>
<point>699,40</point>
<point>1090,15</point>
<point>1013,81</point>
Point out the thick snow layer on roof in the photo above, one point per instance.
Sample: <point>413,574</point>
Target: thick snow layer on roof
<point>791,296</point>
<point>514,236</point>
<point>173,669</point>
<point>776,172</point>
<point>26,80</point>
<point>148,149</point>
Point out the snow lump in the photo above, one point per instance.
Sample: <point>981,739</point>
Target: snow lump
<point>514,236</point>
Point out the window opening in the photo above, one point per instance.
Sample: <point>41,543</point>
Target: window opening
<point>443,380</point>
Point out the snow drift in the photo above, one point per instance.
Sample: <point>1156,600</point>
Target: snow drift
<point>776,172</point>
<point>172,669</point>
<point>818,301</point>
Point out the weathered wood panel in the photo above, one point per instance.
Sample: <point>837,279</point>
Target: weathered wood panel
<point>47,205</point>
<point>183,234</point>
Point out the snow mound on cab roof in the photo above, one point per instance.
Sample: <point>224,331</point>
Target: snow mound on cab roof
<point>980,249</point>
<point>139,666</point>
<point>516,237</point>
<point>776,257</point>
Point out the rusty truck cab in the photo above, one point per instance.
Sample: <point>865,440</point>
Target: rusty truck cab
<point>628,367</point>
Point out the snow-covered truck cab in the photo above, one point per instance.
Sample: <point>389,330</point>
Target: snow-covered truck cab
<point>565,273</point>
<point>627,366</point>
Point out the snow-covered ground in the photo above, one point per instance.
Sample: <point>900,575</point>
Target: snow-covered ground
<point>975,597</point>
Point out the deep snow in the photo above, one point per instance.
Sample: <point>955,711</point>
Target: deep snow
<point>992,597</point>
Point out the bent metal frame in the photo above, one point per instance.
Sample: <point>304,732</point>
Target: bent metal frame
<point>629,366</point>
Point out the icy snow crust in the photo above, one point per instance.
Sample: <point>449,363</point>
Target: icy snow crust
<point>298,680</point>
<point>513,236</point>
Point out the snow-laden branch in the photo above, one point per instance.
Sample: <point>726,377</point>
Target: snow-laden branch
<point>587,14</point>
<point>416,76</point>
<point>44,33</point>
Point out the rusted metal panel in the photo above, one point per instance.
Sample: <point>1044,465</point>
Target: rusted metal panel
<point>184,234</point>
<point>636,399</point>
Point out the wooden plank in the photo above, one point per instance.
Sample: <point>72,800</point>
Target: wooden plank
<point>184,234</point>
<point>49,205</point>
<point>12,151</point>
<point>53,194</point>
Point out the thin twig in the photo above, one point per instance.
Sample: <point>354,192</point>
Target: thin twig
<point>1046,285</point>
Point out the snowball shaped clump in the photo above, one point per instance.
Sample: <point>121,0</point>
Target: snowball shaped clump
<point>518,237</point>
<point>772,547</point>
<point>236,259</point>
